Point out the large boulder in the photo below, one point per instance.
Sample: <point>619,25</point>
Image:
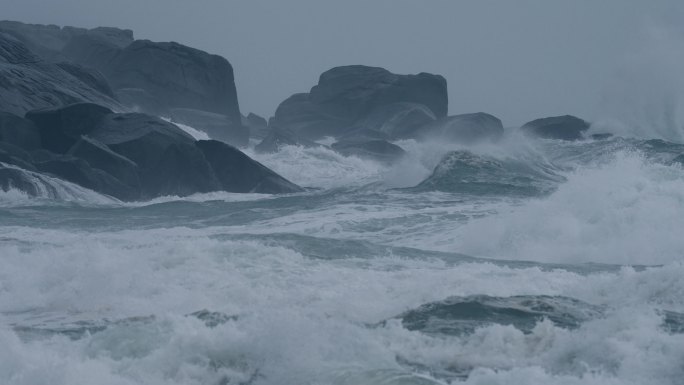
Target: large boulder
<point>134,156</point>
<point>102,157</point>
<point>217,126</point>
<point>566,127</point>
<point>61,127</point>
<point>301,116</point>
<point>236,172</point>
<point>81,173</point>
<point>18,131</point>
<point>27,82</point>
<point>174,75</point>
<point>92,51</point>
<point>378,150</point>
<point>353,91</point>
<point>465,128</point>
<point>257,125</point>
<point>91,77</point>
<point>168,161</point>
<point>10,154</point>
<point>398,120</point>
<point>346,95</point>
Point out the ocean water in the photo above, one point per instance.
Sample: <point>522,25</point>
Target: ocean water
<point>523,262</point>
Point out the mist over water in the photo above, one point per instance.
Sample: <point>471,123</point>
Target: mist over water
<point>644,97</point>
<point>364,278</point>
<point>514,261</point>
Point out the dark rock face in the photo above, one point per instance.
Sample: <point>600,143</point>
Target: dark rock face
<point>92,78</point>
<point>71,132</point>
<point>27,82</point>
<point>179,76</point>
<point>173,75</point>
<point>169,163</point>
<point>398,120</point>
<point>565,127</point>
<point>282,137</point>
<point>217,126</point>
<point>465,128</point>
<point>18,131</point>
<point>60,128</point>
<point>139,100</point>
<point>258,126</point>
<point>102,157</point>
<point>134,156</point>
<point>254,120</point>
<point>346,95</point>
<point>353,91</point>
<point>144,75</point>
<point>379,150</point>
<point>80,172</point>
<point>299,115</point>
<point>91,51</point>
<point>10,154</point>
<point>236,172</point>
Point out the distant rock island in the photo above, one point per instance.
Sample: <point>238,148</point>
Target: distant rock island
<point>84,106</point>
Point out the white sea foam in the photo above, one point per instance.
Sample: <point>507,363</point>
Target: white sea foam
<point>192,131</point>
<point>627,211</point>
<point>301,320</point>
<point>320,167</point>
<point>293,319</point>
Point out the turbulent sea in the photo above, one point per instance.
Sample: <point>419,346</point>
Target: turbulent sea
<point>523,262</point>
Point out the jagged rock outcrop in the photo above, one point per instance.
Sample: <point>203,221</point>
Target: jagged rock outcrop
<point>18,131</point>
<point>13,155</point>
<point>61,127</point>
<point>171,74</point>
<point>133,156</point>
<point>398,120</point>
<point>48,41</point>
<point>345,96</point>
<point>257,125</point>
<point>566,127</point>
<point>236,172</point>
<point>91,77</point>
<point>143,76</point>
<point>28,82</point>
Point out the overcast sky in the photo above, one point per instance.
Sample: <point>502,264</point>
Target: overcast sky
<point>518,60</point>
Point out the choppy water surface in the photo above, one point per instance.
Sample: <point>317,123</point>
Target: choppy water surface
<point>517,263</point>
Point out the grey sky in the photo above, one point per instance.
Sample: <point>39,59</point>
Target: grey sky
<point>515,59</point>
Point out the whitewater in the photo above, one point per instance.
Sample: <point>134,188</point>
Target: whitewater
<point>527,261</point>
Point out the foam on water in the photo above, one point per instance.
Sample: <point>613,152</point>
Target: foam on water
<point>320,167</point>
<point>300,320</point>
<point>309,288</point>
<point>627,211</point>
